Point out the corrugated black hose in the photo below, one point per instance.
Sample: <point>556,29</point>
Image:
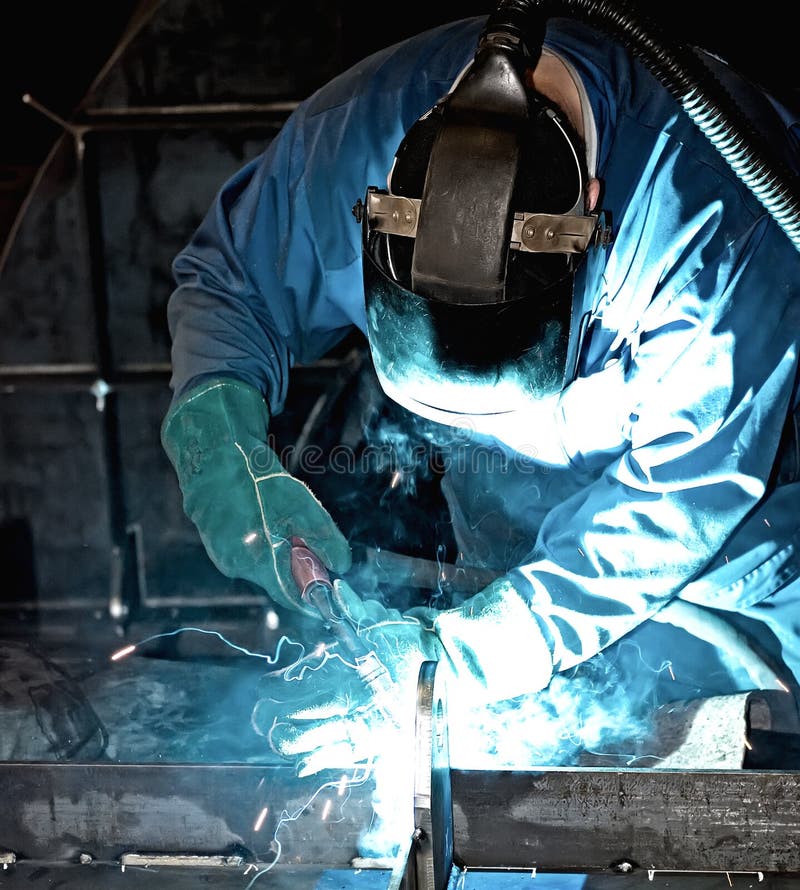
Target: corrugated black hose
<point>684,74</point>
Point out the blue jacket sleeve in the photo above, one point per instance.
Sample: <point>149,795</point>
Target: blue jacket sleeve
<point>252,294</point>
<point>699,397</point>
<point>273,274</point>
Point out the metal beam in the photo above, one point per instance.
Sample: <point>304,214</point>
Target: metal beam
<point>558,820</point>
<point>589,820</point>
<point>57,811</point>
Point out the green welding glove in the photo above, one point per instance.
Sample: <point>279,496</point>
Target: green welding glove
<point>320,712</point>
<point>244,504</point>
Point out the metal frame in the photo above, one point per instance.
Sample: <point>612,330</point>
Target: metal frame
<point>104,379</point>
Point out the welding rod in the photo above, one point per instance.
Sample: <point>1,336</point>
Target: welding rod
<point>388,566</point>
<point>316,590</point>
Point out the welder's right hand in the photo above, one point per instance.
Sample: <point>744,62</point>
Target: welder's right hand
<point>244,504</point>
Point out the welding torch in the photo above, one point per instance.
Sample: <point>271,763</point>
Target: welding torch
<point>316,590</point>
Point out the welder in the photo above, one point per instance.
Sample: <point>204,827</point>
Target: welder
<point>550,253</point>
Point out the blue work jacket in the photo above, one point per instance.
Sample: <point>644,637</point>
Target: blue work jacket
<point>648,478</point>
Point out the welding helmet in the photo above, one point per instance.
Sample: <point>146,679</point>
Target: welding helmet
<point>470,255</point>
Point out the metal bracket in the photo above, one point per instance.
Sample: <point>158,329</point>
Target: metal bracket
<point>531,232</point>
<point>178,860</point>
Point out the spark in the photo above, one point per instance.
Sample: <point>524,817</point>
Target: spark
<point>441,552</point>
<point>121,653</point>
<point>727,561</point>
<point>249,538</point>
<point>272,620</point>
<point>728,876</point>
<point>671,672</point>
<point>747,743</point>
<point>783,686</point>
<point>260,821</point>
<point>396,477</point>
<point>286,817</point>
<point>766,522</point>
<point>326,810</point>
<point>298,669</point>
<point>361,773</point>
<point>270,659</point>
<point>581,552</point>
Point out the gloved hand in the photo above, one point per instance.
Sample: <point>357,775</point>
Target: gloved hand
<point>245,505</point>
<point>319,710</point>
<point>321,713</point>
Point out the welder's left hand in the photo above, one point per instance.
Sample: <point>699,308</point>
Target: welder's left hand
<point>320,713</point>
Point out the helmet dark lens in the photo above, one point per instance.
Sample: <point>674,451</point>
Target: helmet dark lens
<point>429,348</point>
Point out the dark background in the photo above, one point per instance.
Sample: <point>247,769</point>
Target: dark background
<point>53,50</point>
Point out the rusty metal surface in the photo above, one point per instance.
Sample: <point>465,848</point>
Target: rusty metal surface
<point>735,820</point>
<point>98,877</point>
<point>554,820</point>
<point>62,810</point>
<point>110,877</point>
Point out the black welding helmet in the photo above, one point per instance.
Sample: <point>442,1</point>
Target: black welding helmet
<point>470,256</point>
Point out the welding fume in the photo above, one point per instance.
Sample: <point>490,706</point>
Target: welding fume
<point>572,255</point>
